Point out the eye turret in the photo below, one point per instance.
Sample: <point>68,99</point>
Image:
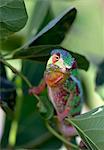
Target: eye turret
<point>55,58</point>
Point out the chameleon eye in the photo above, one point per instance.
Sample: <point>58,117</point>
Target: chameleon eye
<point>55,58</point>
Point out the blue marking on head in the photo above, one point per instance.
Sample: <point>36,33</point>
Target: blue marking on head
<point>61,51</point>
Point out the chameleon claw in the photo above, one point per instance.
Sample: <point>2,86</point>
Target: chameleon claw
<point>37,90</point>
<point>34,90</point>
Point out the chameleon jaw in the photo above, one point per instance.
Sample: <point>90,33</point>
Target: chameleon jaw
<point>58,79</point>
<point>54,78</point>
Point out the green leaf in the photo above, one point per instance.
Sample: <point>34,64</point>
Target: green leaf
<point>34,73</point>
<point>90,127</point>
<point>54,32</point>
<point>13,42</point>
<point>45,106</point>
<point>100,91</point>
<point>13,17</point>
<point>39,12</point>
<point>41,53</point>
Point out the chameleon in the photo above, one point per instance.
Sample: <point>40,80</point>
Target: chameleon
<point>64,88</point>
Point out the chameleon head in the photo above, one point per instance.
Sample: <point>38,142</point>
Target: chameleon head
<point>58,67</point>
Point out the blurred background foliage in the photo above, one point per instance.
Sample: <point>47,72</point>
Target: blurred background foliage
<point>85,37</point>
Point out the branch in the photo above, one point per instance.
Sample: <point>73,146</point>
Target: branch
<point>60,137</point>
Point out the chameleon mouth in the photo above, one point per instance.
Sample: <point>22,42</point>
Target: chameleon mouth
<point>54,78</point>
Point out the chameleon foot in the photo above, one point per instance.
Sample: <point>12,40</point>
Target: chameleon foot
<point>34,90</point>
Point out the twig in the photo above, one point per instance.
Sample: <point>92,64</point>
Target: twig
<point>20,74</point>
<point>60,137</point>
<point>16,72</point>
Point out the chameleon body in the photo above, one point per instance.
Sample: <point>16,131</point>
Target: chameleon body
<point>64,89</point>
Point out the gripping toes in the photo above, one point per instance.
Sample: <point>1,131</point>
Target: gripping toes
<point>34,90</point>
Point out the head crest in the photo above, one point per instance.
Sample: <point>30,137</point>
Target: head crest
<point>65,55</point>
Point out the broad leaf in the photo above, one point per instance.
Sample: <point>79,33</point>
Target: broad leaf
<point>55,31</point>
<point>41,53</point>
<point>45,106</point>
<point>39,12</point>
<point>13,17</point>
<point>90,127</point>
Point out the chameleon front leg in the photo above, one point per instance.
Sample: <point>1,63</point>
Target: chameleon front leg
<point>37,90</point>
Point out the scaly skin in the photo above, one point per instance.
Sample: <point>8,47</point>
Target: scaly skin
<point>64,90</point>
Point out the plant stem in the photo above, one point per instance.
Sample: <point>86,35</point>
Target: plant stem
<point>60,137</point>
<point>20,74</point>
<point>16,72</point>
